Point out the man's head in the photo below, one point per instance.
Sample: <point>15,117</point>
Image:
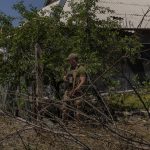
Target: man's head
<point>73,59</point>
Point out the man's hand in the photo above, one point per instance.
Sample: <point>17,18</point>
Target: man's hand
<point>82,81</point>
<point>72,92</point>
<point>65,78</point>
<point>77,89</point>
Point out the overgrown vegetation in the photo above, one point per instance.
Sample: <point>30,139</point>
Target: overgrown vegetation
<point>99,42</point>
<point>103,48</point>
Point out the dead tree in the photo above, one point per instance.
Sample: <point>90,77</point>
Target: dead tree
<point>38,77</point>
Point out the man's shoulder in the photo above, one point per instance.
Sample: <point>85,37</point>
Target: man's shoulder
<point>81,69</point>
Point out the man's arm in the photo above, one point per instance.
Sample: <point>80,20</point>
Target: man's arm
<point>77,88</point>
<point>82,77</point>
<point>82,81</point>
<point>81,72</point>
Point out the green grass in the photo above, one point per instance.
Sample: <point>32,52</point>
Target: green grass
<point>128,101</point>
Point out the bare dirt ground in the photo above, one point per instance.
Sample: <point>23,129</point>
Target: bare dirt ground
<point>19,135</point>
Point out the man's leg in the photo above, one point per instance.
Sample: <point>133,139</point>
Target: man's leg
<point>64,112</point>
<point>64,108</point>
<point>78,107</point>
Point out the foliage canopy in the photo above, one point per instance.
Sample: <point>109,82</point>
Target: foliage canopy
<point>99,42</point>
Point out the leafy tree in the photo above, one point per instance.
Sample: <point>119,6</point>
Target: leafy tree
<point>99,42</point>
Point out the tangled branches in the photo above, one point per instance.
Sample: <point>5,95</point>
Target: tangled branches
<point>95,129</point>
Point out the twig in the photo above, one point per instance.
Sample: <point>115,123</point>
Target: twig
<point>15,133</point>
<point>127,139</point>
<point>25,147</point>
<point>143,18</point>
<point>138,95</point>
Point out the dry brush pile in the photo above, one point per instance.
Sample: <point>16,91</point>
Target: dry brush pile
<point>43,128</point>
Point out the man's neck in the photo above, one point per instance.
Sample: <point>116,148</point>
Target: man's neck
<point>74,66</point>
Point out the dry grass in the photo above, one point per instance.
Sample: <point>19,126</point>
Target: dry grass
<point>95,137</point>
